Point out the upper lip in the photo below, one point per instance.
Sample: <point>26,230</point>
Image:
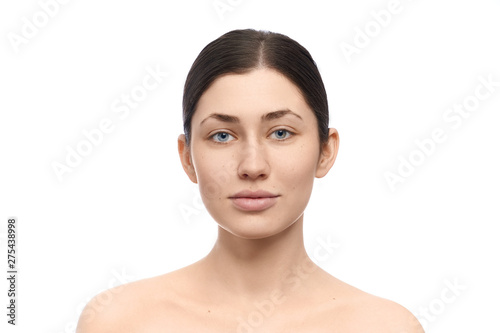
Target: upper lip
<point>254,194</point>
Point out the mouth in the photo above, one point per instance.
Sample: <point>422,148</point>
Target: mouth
<point>254,201</point>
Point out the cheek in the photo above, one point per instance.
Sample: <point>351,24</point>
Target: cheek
<point>214,174</point>
<point>298,165</point>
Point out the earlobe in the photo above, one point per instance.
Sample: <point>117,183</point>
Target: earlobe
<point>185,156</point>
<point>328,153</point>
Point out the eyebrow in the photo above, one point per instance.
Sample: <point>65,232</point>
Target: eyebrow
<point>267,117</point>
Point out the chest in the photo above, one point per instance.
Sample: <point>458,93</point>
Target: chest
<point>263,318</point>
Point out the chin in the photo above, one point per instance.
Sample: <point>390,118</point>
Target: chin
<point>256,228</point>
<point>251,234</point>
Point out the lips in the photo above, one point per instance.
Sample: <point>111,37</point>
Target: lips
<point>254,200</point>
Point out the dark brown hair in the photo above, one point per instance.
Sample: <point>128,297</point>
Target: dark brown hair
<point>240,51</point>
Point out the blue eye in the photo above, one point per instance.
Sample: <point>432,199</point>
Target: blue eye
<point>221,137</point>
<point>282,134</point>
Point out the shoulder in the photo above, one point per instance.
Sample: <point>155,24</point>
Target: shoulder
<point>123,308</point>
<point>354,310</point>
<point>393,317</point>
<point>379,315</point>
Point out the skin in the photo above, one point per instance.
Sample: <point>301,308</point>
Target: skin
<point>258,276</point>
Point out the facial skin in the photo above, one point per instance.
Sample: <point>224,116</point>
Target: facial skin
<point>255,131</point>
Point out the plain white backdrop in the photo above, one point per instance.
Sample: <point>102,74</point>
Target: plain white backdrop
<point>395,72</point>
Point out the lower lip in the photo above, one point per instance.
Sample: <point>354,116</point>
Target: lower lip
<point>254,204</point>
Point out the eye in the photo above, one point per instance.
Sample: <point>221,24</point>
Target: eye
<point>222,137</point>
<point>282,134</point>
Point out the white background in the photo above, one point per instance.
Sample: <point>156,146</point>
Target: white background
<point>128,209</point>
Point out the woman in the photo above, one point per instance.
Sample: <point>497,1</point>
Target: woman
<point>256,136</point>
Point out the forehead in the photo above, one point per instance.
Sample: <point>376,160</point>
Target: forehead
<point>251,95</point>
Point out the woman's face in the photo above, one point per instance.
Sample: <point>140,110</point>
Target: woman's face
<point>255,152</point>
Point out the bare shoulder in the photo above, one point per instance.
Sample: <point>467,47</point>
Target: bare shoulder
<point>369,313</point>
<point>124,308</point>
<point>390,317</point>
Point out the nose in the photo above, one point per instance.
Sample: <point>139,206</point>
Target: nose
<point>253,163</point>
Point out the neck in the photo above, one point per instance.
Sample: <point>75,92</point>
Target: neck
<point>254,268</point>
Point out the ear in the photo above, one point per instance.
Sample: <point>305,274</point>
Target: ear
<point>185,156</point>
<point>328,153</point>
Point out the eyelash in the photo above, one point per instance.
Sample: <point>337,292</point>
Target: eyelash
<point>290,134</point>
